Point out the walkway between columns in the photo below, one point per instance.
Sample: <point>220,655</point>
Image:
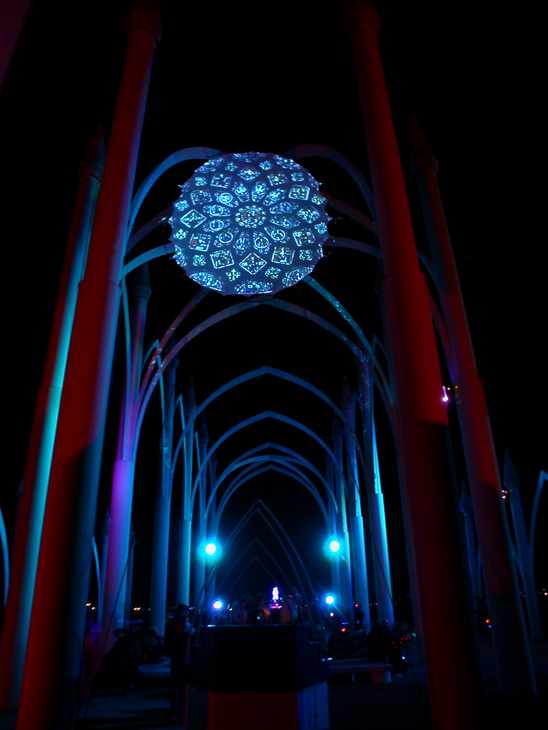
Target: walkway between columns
<point>402,704</point>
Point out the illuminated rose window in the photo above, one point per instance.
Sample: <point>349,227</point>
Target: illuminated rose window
<point>249,223</point>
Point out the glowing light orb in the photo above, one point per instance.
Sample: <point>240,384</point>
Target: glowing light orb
<point>217,605</point>
<point>249,223</point>
<point>329,600</point>
<point>211,548</point>
<point>334,546</point>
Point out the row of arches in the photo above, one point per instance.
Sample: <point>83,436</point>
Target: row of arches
<point>170,348</point>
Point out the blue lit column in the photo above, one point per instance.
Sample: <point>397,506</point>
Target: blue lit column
<point>121,500</point>
<point>342,531</point>
<point>525,557</point>
<point>184,553</point>
<point>105,527</point>
<point>199,561</point>
<point>375,502</point>
<point>471,539</point>
<point>334,527</point>
<point>162,508</point>
<point>211,516</point>
<point>52,663</point>
<point>129,581</point>
<point>359,564</point>
<point>33,500</point>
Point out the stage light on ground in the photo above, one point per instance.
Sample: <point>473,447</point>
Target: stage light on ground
<point>332,548</point>
<point>209,551</point>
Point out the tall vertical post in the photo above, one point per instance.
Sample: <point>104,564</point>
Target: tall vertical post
<point>129,578</point>
<point>514,665</point>
<point>121,500</point>
<point>211,519</point>
<point>162,508</point>
<point>456,697</point>
<point>185,522</point>
<point>525,556</point>
<point>375,501</point>
<point>359,560</point>
<point>52,665</point>
<point>379,539</point>
<point>471,539</point>
<point>35,484</point>
<point>335,567</point>
<point>105,527</point>
<point>200,563</point>
<point>342,522</point>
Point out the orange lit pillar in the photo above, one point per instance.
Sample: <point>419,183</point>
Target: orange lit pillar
<point>52,665</point>
<point>456,697</point>
<point>513,657</point>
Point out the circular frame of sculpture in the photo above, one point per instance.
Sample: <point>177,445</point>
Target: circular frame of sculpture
<point>249,223</point>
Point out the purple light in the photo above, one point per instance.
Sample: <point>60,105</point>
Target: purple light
<point>249,223</point>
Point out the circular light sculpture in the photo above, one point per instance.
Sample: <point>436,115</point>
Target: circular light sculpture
<point>249,223</point>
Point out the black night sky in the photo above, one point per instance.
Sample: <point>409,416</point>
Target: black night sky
<point>271,77</point>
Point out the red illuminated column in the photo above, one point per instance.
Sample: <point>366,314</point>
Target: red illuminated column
<point>35,485</point>
<point>456,696</point>
<point>52,665</point>
<point>514,666</point>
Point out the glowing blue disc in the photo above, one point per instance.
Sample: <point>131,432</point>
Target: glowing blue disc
<point>249,223</point>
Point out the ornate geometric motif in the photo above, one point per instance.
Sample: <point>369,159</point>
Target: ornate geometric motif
<point>249,223</point>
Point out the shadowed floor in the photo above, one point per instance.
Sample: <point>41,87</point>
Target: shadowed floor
<point>401,704</point>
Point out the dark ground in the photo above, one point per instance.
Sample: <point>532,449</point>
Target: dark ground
<point>401,704</point>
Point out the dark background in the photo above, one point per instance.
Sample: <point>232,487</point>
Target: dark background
<point>270,77</point>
